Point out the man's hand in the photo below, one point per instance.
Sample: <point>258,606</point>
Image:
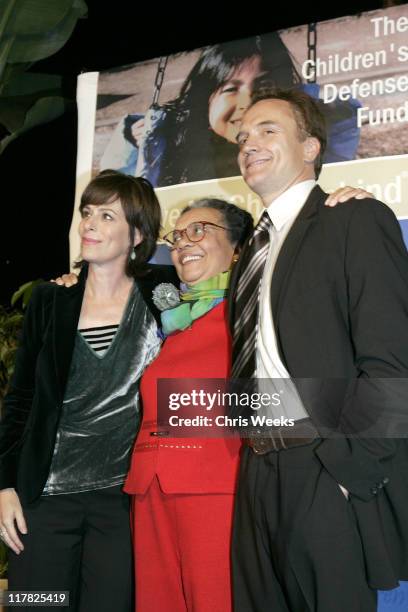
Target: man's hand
<point>66,280</point>
<point>346,193</point>
<point>11,514</point>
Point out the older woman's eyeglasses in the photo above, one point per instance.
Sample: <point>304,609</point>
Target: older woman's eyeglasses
<point>194,232</point>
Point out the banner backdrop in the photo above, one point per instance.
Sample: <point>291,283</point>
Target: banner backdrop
<point>174,119</point>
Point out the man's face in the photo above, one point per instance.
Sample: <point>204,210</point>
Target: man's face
<point>272,157</point>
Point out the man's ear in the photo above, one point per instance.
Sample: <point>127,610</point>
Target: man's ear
<point>311,148</point>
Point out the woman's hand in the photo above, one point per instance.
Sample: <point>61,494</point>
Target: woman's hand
<point>345,193</point>
<point>11,514</point>
<point>66,280</point>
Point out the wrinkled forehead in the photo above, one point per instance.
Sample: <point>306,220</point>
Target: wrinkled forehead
<point>273,111</point>
<point>198,214</point>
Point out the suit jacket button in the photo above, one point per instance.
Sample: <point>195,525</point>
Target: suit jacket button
<point>386,480</point>
<point>374,490</point>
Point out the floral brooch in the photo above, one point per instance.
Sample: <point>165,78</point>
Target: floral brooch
<point>165,296</point>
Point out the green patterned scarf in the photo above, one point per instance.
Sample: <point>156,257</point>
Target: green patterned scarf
<point>197,301</point>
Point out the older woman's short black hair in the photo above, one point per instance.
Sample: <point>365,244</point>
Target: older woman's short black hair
<point>239,222</point>
<point>141,208</point>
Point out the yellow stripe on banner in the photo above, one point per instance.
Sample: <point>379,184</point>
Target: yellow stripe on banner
<point>385,177</point>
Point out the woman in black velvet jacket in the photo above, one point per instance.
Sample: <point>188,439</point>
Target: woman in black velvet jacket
<point>71,414</point>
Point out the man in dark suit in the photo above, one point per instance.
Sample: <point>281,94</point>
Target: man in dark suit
<point>320,296</point>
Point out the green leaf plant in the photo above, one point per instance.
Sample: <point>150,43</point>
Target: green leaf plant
<point>11,321</point>
<point>32,30</point>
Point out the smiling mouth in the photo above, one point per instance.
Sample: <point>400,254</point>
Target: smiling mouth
<point>256,162</point>
<point>188,258</point>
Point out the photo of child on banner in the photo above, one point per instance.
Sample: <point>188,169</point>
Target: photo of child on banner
<point>193,137</point>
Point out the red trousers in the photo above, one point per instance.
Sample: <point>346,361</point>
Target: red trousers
<point>182,551</point>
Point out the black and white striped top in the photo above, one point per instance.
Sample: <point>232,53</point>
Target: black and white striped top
<point>99,338</point>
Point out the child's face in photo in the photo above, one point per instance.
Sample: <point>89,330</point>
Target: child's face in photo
<point>229,102</point>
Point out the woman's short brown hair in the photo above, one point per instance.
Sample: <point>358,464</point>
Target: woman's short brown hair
<point>141,208</point>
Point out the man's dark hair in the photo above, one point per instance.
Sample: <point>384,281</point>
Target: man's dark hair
<point>141,208</point>
<point>308,116</point>
<point>239,222</point>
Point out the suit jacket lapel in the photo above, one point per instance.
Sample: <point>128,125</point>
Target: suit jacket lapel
<point>67,308</point>
<point>284,263</point>
<point>289,251</point>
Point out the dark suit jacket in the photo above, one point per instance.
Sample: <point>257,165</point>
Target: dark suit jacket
<point>339,299</point>
<point>32,406</point>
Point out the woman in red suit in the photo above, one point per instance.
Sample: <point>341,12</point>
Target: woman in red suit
<point>183,488</point>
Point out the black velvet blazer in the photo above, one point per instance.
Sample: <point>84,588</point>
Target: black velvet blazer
<point>32,406</point>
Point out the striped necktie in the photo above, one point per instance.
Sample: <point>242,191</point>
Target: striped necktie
<point>247,299</point>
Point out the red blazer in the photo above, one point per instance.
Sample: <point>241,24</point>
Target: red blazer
<point>186,465</point>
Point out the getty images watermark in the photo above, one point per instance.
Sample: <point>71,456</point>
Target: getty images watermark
<point>220,407</point>
<point>201,400</point>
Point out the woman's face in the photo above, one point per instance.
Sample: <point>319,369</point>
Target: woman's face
<point>199,261</point>
<point>104,234</point>
<point>228,103</point>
